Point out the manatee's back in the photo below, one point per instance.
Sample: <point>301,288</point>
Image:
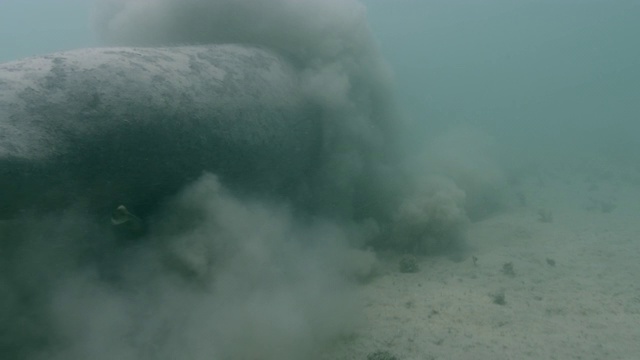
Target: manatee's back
<point>111,126</point>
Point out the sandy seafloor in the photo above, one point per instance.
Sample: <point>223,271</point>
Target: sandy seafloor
<point>574,294</point>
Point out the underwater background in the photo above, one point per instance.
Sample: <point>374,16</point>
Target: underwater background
<point>497,142</point>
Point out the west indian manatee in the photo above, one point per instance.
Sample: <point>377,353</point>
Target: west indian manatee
<point>255,259</point>
<point>105,127</point>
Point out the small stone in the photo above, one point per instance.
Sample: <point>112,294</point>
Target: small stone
<point>507,269</point>
<point>409,264</point>
<point>381,355</point>
<point>498,298</point>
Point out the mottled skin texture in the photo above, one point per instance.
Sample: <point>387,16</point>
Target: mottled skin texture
<point>109,126</point>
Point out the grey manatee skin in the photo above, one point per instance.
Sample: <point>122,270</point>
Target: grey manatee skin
<point>109,126</point>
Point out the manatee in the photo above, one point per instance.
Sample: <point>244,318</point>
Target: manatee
<point>104,127</point>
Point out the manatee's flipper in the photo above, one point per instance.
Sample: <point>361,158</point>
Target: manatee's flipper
<point>125,221</point>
